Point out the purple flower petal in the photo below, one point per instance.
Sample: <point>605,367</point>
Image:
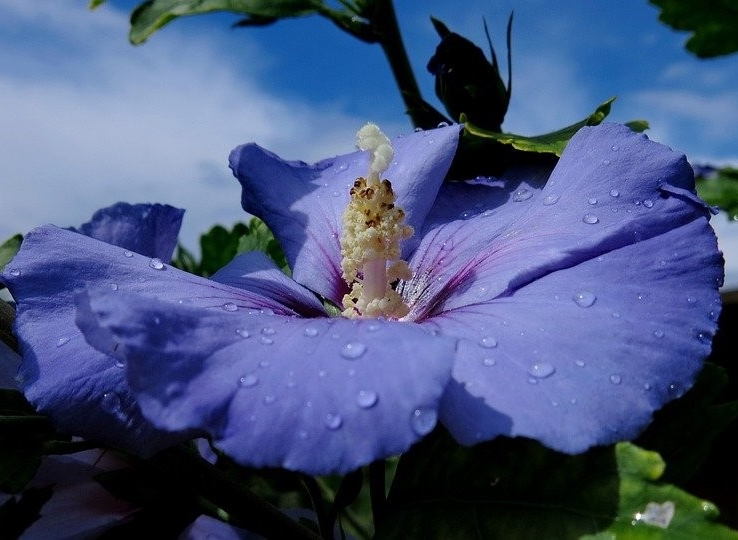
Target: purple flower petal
<point>322,395</point>
<point>148,229</point>
<point>582,308</point>
<point>83,389</point>
<point>303,204</point>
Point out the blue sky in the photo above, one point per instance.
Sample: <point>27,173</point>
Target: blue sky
<point>87,119</point>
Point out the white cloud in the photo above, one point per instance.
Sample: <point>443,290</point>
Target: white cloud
<point>97,120</point>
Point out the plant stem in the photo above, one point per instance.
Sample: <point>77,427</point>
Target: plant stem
<point>388,34</point>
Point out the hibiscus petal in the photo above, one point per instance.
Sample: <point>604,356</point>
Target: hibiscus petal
<point>303,204</point>
<point>574,330</point>
<point>82,389</point>
<point>322,395</point>
<point>148,229</point>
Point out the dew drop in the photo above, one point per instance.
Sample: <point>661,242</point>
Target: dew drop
<point>522,195</point>
<point>156,264</point>
<point>15,272</point>
<point>113,287</point>
<point>242,332</point>
<point>366,399</point>
<point>120,364</point>
<point>541,370</point>
<point>648,203</point>
<point>614,193</point>
<point>248,381</point>
<point>550,200</point>
<point>265,340</point>
<point>580,363</point>
<point>62,341</point>
<point>691,300</point>
<point>646,386</point>
<point>268,331</point>
<point>615,148</point>
<point>310,331</point>
<point>269,399</point>
<point>658,333</point>
<point>487,342</point>
<point>590,219</point>
<point>615,378</point>
<point>174,390</point>
<point>605,161</point>
<point>353,350</point>
<point>110,402</point>
<point>128,254</point>
<point>584,299</point>
<point>592,201</point>
<point>230,306</point>
<point>264,364</point>
<point>333,421</point>
<point>488,362</point>
<point>423,421</point>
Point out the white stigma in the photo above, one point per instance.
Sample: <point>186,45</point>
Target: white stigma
<point>371,138</point>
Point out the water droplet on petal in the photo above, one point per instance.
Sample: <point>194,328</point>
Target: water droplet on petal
<point>113,287</point>
<point>265,340</point>
<point>580,363</point>
<point>615,378</point>
<point>541,370</point>
<point>522,194</point>
<point>423,421</point>
<point>247,381</point>
<point>268,331</point>
<point>110,402</point>
<point>269,399</point>
<point>658,333</point>
<point>487,342</point>
<point>605,161</point>
<point>648,203</point>
<point>614,193</point>
<point>590,219</point>
<point>488,362</point>
<point>120,364</point>
<point>584,299</point>
<point>333,421</point>
<point>691,300</point>
<point>310,331</point>
<point>592,200</point>
<point>551,199</point>
<point>366,399</point>
<point>62,341</point>
<point>230,306</point>
<point>615,148</point>
<point>128,254</point>
<point>156,264</point>
<point>242,332</point>
<point>353,350</point>
<point>174,390</point>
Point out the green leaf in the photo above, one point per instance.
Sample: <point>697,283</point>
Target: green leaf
<point>552,143</point>
<point>721,190</point>
<point>96,3</point>
<point>516,488</point>
<point>260,238</point>
<point>219,246</point>
<point>152,15</point>
<point>649,509</point>
<point>713,24</point>
<point>9,248</point>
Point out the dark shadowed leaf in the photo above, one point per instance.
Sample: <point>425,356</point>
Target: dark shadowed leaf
<point>516,488</point>
<point>150,16</point>
<point>713,24</point>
